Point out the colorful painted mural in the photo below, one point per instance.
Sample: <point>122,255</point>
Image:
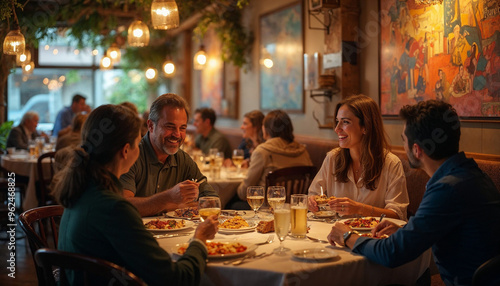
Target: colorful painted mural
<point>448,51</point>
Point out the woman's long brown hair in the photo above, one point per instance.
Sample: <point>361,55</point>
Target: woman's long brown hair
<point>107,129</point>
<point>374,144</point>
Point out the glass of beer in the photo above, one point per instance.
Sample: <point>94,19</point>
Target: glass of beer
<point>298,205</point>
<point>281,227</point>
<point>255,198</point>
<point>276,196</point>
<point>238,157</point>
<point>208,206</point>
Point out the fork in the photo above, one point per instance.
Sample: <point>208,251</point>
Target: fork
<point>270,239</point>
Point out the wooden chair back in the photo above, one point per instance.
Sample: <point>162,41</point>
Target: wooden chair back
<point>296,180</point>
<point>92,270</point>
<point>45,178</point>
<point>41,226</point>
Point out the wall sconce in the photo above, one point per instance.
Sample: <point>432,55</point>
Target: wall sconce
<point>164,14</point>
<point>23,58</point>
<point>28,68</point>
<point>138,34</point>
<point>105,63</point>
<point>266,59</point>
<point>114,53</point>
<point>168,68</point>
<point>151,74</point>
<point>200,58</point>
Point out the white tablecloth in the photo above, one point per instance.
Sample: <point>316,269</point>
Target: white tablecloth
<point>346,269</point>
<point>26,167</point>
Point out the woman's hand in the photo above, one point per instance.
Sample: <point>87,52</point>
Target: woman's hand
<point>312,205</point>
<point>346,206</point>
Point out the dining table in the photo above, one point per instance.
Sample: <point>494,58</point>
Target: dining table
<point>339,267</point>
<point>23,164</point>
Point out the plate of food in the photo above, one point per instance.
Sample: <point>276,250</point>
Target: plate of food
<point>236,224</point>
<point>185,213</point>
<point>324,214</point>
<point>164,225</point>
<point>221,249</point>
<point>315,254</point>
<point>362,223</point>
<point>369,234</point>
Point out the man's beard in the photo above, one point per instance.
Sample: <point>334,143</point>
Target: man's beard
<point>168,150</point>
<point>414,162</point>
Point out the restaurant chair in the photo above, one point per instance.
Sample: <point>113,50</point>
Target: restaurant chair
<point>488,274</point>
<point>41,226</point>
<point>45,179</point>
<point>296,180</point>
<point>94,271</point>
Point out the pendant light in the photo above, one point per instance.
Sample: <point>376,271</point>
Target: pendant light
<point>106,63</point>
<point>14,42</point>
<point>28,68</point>
<point>114,54</point>
<point>23,58</point>
<point>200,59</point>
<point>151,74</point>
<point>168,68</point>
<point>138,34</point>
<point>164,14</point>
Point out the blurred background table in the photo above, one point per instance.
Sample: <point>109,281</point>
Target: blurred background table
<point>226,184</point>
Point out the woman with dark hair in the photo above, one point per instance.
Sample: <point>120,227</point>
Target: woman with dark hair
<point>99,222</point>
<point>252,132</point>
<point>279,151</point>
<point>362,174</point>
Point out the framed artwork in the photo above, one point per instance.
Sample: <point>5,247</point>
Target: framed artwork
<point>311,71</point>
<point>315,4</point>
<point>448,51</point>
<point>281,59</point>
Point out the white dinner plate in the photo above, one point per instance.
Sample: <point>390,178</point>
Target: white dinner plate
<point>187,224</point>
<point>250,247</point>
<point>172,214</point>
<point>324,214</point>
<point>316,254</point>
<point>251,227</point>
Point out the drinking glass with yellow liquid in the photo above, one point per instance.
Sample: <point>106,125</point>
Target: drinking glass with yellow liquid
<point>208,206</point>
<point>276,196</point>
<point>299,215</point>
<point>238,157</point>
<point>255,198</point>
<point>281,227</point>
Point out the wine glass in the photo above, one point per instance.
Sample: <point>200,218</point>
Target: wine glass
<point>281,227</point>
<point>276,196</point>
<point>208,206</point>
<point>238,157</point>
<point>255,198</point>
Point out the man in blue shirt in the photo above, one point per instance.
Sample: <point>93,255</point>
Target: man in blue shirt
<point>65,116</point>
<point>459,216</point>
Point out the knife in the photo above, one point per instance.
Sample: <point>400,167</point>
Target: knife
<point>157,236</point>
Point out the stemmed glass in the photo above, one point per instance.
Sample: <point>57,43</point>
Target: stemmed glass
<point>208,206</point>
<point>276,196</point>
<point>282,227</point>
<point>255,198</point>
<point>238,157</point>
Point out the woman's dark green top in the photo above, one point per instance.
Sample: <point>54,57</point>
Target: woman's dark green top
<point>105,225</point>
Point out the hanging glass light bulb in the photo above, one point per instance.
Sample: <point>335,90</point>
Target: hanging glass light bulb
<point>114,54</point>
<point>168,68</point>
<point>14,43</point>
<point>200,59</point>
<point>23,58</point>
<point>138,34</point>
<point>105,63</point>
<point>28,68</point>
<point>164,14</point>
<point>151,74</point>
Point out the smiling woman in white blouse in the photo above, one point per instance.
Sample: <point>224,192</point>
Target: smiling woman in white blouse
<point>365,178</point>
